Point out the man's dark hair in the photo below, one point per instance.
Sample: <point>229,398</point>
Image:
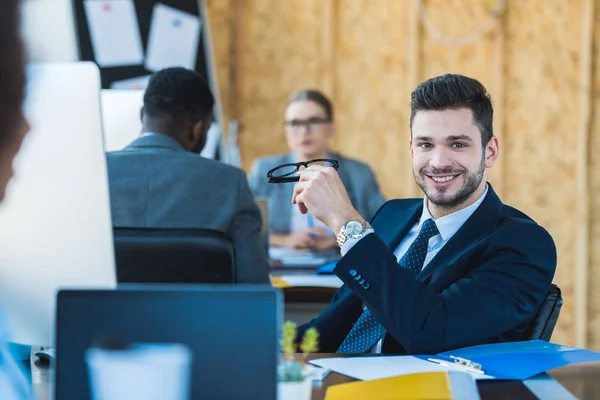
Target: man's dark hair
<point>12,71</point>
<point>451,92</point>
<point>179,93</point>
<point>315,96</point>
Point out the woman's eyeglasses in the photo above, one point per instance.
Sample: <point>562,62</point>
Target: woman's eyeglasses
<point>295,124</point>
<point>291,172</point>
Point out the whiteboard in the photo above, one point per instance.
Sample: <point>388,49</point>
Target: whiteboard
<point>121,119</point>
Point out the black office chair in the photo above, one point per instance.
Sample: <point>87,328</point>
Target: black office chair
<point>173,256</point>
<point>545,320</point>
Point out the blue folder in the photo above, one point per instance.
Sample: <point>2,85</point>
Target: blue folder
<point>519,360</point>
<point>327,269</point>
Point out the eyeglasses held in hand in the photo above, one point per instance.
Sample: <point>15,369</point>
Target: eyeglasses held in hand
<point>291,172</point>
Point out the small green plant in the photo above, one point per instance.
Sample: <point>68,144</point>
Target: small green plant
<point>292,369</point>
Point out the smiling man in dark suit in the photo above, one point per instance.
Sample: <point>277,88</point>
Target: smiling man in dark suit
<point>455,269</point>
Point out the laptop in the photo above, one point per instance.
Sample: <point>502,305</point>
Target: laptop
<point>233,332</point>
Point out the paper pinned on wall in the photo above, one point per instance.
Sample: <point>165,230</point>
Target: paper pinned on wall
<point>173,39</point>
<point>213,141</point>
<point>114,32</point>
<point>137,83</point>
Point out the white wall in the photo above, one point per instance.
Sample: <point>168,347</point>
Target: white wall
<point>49,30</point>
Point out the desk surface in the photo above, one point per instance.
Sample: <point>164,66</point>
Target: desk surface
<point>583,381</point>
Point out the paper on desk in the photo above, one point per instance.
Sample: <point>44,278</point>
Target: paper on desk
<point>114,32</point>
<point>369,368</point>
<point>291,257</point>
<point>173,39</point>
<point>318,373</point>
<point>544,387</point>
<point>329,281</point>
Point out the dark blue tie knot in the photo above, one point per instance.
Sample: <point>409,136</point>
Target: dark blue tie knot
<point>429,229</point>
<point>414,258</point>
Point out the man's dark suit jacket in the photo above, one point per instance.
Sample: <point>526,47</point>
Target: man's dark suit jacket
<point>484,286</point>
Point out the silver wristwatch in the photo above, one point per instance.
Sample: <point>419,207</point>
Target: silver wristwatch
<point>353,229</point>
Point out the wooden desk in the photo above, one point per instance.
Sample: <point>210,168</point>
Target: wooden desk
<point>582,381</point>
<point>303,302</point>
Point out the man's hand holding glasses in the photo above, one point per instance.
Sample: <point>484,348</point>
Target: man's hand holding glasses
<point>287,173</point>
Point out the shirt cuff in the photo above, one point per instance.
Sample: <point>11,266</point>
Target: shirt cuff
<point>351,242</point>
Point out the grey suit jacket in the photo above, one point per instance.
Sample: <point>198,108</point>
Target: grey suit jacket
<point>357,177</point>
<point>155,183</point>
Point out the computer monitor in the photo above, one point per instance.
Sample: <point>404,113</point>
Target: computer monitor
<point>55,226</point>
<point>231,330</point>
<point>121,122</point>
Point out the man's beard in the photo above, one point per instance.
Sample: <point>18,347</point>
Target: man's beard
<point>448,201</point>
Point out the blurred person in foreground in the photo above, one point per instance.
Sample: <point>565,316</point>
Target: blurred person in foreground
<point>13,128</point>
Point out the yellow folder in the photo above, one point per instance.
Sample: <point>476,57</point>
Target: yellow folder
<point>422,386</point>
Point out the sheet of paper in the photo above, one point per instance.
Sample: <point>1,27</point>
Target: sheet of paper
<point>137,83</point>
<point>299,258</point>
<point>114,32</point>
<point>329,281</point>
<point>369,368</point>
<point>173,39</point>
<point>213,141</point>
<point>544,387</point>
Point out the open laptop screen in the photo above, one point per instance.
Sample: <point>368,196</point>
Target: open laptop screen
<point>231,330</point>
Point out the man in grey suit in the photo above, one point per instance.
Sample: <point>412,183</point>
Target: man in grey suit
<point>160,180</point>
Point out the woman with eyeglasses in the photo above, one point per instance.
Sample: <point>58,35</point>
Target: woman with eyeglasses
<point>309,126</point>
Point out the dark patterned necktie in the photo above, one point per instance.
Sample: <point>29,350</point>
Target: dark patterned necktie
<point>414,258</point>
<point>366,331</point>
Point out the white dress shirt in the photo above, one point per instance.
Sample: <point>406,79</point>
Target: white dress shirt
<point>447,225</point>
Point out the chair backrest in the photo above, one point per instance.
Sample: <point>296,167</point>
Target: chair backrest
<point>263,205</point>
<point>145,255</point>
<point>545,320</point>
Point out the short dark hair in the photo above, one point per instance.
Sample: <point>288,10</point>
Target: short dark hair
<point>12,71</point>
<point>316,96</point>
<point>451,92</point>
<point>180,93</point>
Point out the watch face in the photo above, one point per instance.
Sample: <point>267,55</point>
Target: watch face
<point>353,229</point>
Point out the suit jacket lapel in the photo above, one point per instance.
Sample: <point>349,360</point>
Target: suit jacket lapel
<point>479,225</point>
<point>392,228</point>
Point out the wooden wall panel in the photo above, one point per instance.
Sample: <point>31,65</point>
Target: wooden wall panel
<point>456,19</point>
<point>280,52</point>
<point>460,40</point>
<point>594,154</point>
<point>221,18</point>
<point>541,121</point>
<point>372,91</point>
